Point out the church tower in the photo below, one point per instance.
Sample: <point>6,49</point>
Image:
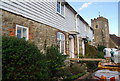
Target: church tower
<point>101,31</point>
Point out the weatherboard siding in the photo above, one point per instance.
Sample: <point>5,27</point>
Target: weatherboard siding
<point>44,12</point>
<point>81,28</point>
<point>84,30</point>
<point>70,20</point>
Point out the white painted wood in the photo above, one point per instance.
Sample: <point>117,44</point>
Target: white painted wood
<point>27,33</point>
<point>83,48</point>
<point>70,20</point>
<point>81,28</point>
<point>71,47</point>
<point>44,12</point>
<point>84,30</point>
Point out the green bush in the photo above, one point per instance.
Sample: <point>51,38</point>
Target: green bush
<point>74,71</point>
<point>90,51</point>
<point>55,62</point>
<point>100,48</point>
<point>22,60</point>
<point>100,55</point>
<point>81,56</point>
<point>74,77</point>
<point>78,68</point>
<point>91,65</point>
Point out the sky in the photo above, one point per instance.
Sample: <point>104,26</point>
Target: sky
<point>91,10</point>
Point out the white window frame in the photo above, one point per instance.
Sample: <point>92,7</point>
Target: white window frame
<point>22,31</point>
<point>61,9</point>
<point>60,39</point>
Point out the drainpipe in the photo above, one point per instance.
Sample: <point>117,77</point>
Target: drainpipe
<point>77,35</point>
<point>78,45</point>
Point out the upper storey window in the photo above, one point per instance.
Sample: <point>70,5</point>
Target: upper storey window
<point>60,7</point>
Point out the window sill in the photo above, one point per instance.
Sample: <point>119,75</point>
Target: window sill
<point>60,14</point>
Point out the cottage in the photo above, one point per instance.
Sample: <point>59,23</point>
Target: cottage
<point>46,23</point>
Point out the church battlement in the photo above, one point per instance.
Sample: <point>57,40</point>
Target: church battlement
<point>101,31</point>
<point>100,18</point>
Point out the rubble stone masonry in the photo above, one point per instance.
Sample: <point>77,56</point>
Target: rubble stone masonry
<point>39,33</point>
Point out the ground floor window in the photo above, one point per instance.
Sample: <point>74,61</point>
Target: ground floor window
<point>22,32</point>
<point>61,42</point>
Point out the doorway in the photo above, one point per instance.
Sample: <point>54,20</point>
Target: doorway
<point>71,46</point>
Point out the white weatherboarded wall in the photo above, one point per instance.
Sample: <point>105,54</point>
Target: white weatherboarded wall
<point>70,20</point>
<point>84,30</point>
<point>44,12</point>
<point>81,28</point>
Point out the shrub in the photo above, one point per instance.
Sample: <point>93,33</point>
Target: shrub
<point>72,78</point>
<point>100,55</point>
<point>81,56</point>
<point>74,71</point>
<point>22,60</point>
<point>91,65</point>
<point>90,51</point>
<point>100,48</point>
<point>55,61</point>
<point>78,68</point>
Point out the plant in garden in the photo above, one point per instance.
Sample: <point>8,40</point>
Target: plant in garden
<point>75,71</point>
<point>90,51</point>
<point>55,61</point>
<point>100,48</point>
<point>22,60</point>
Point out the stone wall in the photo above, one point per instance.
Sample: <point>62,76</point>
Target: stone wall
<point>39,33</point>
<point>101,31</point>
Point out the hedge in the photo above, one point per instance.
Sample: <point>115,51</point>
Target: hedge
<point>22,60</point>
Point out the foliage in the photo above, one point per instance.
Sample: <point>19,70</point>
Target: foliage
<point>55,62</point>
<point>91,65</point>
<point>74,77</point>
<point>100,55</point>
<point>81,56</point>
<point>93,52</point>
<point>22,60</point>
<point>78,68</point>
<point>74,71</point>
<point>90,51</point>
<point>100,48</point>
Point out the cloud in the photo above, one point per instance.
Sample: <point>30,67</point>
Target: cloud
<point>85,5</point>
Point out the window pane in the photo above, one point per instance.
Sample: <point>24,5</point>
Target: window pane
<point>62,9</point>
<point>24,33</point>
<point>62,36</point>
<point>61,41</point>
<point>58,44</point>
<point>58,35</point>
<point>58,7</point>
<point>18,32</point>
<point>62,46</point>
